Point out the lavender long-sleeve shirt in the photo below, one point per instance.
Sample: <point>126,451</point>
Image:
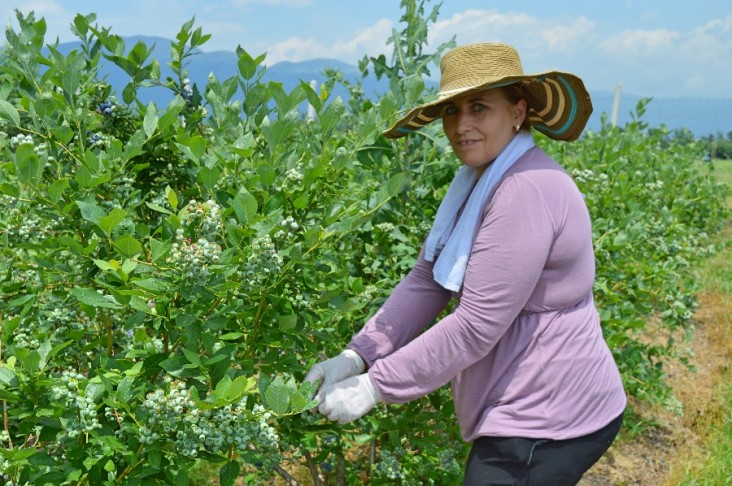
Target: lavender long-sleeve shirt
<point>523,348</point>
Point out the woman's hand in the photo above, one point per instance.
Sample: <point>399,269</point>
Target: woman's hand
<point>349,399</point>
<point>333,370</point>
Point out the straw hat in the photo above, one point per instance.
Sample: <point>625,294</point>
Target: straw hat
<point>558,103</point>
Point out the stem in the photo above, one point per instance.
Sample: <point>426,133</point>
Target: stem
<point>5,405</point>
<point>286,476</point>
<point>341,479</point>
<point>260,310</point>
<point>314,474</point>
<point>127,471</point>
<point>110,340</point>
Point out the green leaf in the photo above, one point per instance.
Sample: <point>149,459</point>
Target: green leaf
<point>18,454</point>
<point>243,145</point>
<point>105,265</point>
<point>56,190</point>
<point>7,396</point>
<point>264,382</point>
<point>158,249</point>
<point>231,336</point>
<point>288,322</point>
<point>192,357</point>
<point>151,284</point>
<point>172,197</point>
<point>31,361</point>
<point>44,352</point>
<point>8,376</point>
<point>398,183</point>
<point>174,365</point>
<point>90,212</point>
<point>245,206</point>
<point>247,65</point>
<point>150,122</point>
<point>208,177</point>
<point>8,112</point>
<point>154,458</point>
<point>28,165</point>
<point>128,246</point>
<point>193,148</point>
<point>109,222</point>
<point>240,387</point>
<point>21,301</point>
<point>11,190</point>
<point>298,400</point>
<point>277,397</point>
<point>331,116</point>
<point>43,459</point>
<point>158,208</point>
<point>133,147</point>
<point>124,389</point>
<point>94,299</point>
<point>229,473</point>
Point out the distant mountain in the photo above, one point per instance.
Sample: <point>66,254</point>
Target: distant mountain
<point>701,116</point>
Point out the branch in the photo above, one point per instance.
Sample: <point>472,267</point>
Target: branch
<point>286,476</point>
<point>313,468</point>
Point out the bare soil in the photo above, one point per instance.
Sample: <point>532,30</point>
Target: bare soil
<point>671,442</point>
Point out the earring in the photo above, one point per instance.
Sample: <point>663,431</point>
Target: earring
<point>518,127</point>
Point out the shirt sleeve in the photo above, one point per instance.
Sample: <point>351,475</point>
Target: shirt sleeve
<point>415,302</point>
<point>508,256</point>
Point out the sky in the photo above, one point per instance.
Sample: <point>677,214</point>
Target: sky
<point>649,48</point>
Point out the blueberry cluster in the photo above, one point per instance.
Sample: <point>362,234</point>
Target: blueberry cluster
<point>121,189</point>
<point>287,227</point>
<point>5,479</point>
<point>94,139</point>
<point>192,259</point>
<point>115,415</point>
<point>21,225</point>
<point>26,335</point>
<point>84,410</point>
<point>62,320</point>
<point>106,108</point>
<point>172,416</point>
<point>20,139</point>
<point>293,177</point>
<point>389,466</point>
<point>263,261</point>
<point>190,256</point>
<point>202,218</point>
<point>588,176</point>
<point>187,90</point>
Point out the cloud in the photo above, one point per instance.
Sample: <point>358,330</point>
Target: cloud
<point>565,38</point>
<point>663,61</point>
<point>370,41</point>
<point>632,44</point>
<point>707,51</point>
<point>480,26</point>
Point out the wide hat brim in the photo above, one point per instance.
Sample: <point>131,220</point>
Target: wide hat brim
<point>558,102</point>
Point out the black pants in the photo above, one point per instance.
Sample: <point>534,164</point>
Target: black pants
<point>496,461</point>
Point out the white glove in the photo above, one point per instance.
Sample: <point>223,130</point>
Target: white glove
<point>349,399</point>
<point>338,368</point>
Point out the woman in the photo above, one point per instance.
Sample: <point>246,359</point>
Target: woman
<point>535,386</point>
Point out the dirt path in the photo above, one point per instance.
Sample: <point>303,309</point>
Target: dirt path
<point>659,455</point>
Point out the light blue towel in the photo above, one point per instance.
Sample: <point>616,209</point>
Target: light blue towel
<point>455,242</point>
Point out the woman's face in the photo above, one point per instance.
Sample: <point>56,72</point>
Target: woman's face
<point>480,125</point>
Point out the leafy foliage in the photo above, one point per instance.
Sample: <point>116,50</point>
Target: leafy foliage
<point>169,274</point>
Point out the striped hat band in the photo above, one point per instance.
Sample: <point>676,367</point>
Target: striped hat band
<point>559,105</point>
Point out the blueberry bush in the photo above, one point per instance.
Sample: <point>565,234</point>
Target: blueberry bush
<point>170,273</point>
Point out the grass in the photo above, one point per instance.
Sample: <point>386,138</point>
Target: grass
<point>711,463</point>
